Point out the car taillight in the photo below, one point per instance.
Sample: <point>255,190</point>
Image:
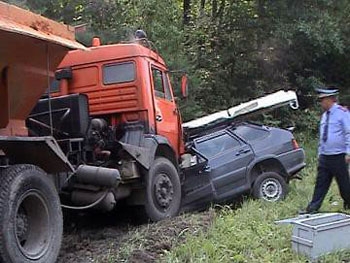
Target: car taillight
<point>295,144</point>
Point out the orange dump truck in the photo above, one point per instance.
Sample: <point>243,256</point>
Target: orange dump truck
<point>106,129</point>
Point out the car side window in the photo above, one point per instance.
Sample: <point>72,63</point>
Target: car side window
<point>216,145</point>
<point>161,84</point>
<point>250,133</point>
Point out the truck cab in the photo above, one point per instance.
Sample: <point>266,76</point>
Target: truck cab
<point>111,108</point>
<point>128,86</point>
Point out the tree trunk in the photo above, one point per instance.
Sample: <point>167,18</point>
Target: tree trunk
<point>262,18</point>
<point>201,10</point>
<point>214,9</point>
<point>186,12</point>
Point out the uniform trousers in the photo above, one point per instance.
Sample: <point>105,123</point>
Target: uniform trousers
<point>330,166</point>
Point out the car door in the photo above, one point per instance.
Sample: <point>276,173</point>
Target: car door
<point>228,158</point>
<point>197,187</point>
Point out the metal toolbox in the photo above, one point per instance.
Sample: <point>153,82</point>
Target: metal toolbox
<point>319,234</point>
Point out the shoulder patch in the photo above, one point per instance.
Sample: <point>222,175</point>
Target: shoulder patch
<point>342,108</point>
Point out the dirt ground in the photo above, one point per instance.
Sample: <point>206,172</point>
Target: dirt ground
<point>121,237</point>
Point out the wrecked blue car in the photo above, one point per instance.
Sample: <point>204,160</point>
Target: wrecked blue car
<point>241,158</point>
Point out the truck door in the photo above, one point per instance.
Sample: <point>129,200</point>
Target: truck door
<point>166,113</point>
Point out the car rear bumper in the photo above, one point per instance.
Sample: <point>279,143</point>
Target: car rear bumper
<point>293,161</point>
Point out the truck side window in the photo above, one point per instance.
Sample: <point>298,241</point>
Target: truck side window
<point>161,85</point>
<point>167,87</point>
<point>118,73</point>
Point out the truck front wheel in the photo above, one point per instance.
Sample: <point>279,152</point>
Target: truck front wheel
<point>31,221</point>
<point>163,190</point>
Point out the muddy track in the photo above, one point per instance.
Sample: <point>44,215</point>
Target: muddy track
<point>122,237</point>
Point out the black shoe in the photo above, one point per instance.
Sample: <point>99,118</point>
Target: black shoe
<point>308,211</point>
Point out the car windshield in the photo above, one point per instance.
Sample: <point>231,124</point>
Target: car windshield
<point>216,144</point>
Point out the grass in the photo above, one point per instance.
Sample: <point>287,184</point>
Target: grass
<point>249,234</point>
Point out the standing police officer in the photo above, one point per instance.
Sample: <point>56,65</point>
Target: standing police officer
<point>333,150</point>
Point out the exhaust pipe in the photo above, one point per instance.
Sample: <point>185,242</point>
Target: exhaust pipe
<point>98,176</point>
<point>83,198</point>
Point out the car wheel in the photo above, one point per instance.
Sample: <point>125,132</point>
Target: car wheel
<point>163,190</point>
<point>31,221</point>
<point>270,186</point>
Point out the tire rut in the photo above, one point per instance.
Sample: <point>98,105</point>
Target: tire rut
<point>120,237</point>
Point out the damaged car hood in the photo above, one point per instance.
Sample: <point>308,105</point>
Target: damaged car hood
<point>271,101</point>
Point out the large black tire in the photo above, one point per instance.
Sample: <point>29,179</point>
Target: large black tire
<point>163,190</point>
<point>270,186</point>
<point>31,221</point>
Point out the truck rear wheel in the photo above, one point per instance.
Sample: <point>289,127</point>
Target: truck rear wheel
<point>163,190</point>
<point>31,221</point>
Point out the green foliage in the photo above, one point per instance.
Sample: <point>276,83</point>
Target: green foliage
<point>307,121</point>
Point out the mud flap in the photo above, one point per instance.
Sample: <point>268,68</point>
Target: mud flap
<point>143,155</point>
<point>43,152</point>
